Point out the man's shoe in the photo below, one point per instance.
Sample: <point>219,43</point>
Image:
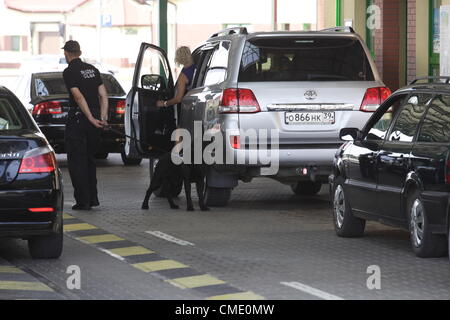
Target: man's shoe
<point>80,207</point>
<point>94,203</point>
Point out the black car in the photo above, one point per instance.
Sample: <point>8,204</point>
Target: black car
<point>397,169</point>
<point>31,190</point>
<point>49,104</point>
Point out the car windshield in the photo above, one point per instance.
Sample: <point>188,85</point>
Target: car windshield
<point>304,59</point>
<point>53,84</point>
<point>10,117</point>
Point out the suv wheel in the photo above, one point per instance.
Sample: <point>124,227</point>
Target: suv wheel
<point>423,242</point>
<point>129,161</point>
<point>306,188</point>
<point>345,223</point>
<point>217,197</point>
<point>46,247</point>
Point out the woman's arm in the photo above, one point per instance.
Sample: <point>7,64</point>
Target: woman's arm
<point>179,92</point>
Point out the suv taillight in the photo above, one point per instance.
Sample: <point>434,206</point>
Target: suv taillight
<point>120,107</point>
<point>49,107</point>
<point>373,98</point>
<point>38,160</point>
<point>239,101</point>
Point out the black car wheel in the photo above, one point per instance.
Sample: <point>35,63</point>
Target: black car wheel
<point>130,161</point>
<point>101,155</point>
<point>306,188</point>
<point>345,223</point>
<point>46,247</point>
<point>424,243</point>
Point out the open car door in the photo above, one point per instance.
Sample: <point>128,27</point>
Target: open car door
<point>149,126</point>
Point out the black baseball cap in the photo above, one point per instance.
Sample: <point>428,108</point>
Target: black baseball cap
<point>72,46</point>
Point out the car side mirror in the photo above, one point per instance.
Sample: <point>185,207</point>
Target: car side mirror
<point>153,82</point>
<point>350,134</point>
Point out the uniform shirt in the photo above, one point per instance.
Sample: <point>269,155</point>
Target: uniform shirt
<point>87,79</point>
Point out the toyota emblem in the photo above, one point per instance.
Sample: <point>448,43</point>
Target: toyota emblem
<point>310,94</point>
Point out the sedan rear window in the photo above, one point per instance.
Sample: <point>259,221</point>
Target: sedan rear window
<point>10,117</point>
<point>53,84</point>
<point>304,59</point>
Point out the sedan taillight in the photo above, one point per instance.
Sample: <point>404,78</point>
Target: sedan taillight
<point>48,107</point>
<point>120,107</point>
<point>373,98</point>
<point>447,172</point>
<point>38,160</point>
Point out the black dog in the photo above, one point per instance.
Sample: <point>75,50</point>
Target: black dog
<point>168,176</point>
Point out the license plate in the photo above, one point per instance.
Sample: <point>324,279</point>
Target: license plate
<point>309,118</point>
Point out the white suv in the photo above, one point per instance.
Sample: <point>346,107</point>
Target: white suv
<point>302,87</point>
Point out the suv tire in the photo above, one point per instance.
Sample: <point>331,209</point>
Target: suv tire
<point>306,188</point>
<point>130,161</point>
<point>346,224</point>
<point>46,247</point>
<point>217,197</point>
<point>424,243</point>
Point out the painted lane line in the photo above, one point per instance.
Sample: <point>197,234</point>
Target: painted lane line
<point>169,238</point>
<point>312,291</point>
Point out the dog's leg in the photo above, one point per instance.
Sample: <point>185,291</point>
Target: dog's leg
<point>187,190</point>
<point>168,191</point>
<point>201,195</point>
<point>146,199</point>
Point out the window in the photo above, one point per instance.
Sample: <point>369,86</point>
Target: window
<point>411,113</point>
<point>304,59</point>
<point>53,84</point>
<point>217,65</point>
<point>15,43</point>
<point>10,117</point>
<point>153,62</point>
<point>436,125</point>
<point>381,127</point>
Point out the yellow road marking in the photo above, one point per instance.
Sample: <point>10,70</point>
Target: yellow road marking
<point>100,238</point>
<point>78,227</point>
<point>152,266</point>
<point>238,296</point>
<point>23,285</point>
<point>10,269</point>
<point>67,216</point>
<point>130,251</point>
<point>195,281</point>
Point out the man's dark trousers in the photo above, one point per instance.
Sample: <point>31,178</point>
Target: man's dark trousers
<point>82,139</point>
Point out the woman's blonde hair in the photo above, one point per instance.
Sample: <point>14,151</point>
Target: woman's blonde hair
<point>183,56</point>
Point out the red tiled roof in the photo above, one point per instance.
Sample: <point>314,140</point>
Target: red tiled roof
<point>44,5</point>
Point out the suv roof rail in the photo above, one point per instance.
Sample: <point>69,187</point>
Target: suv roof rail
<point>431,78</point>
<point>228,31</point>
<point>339,29</point>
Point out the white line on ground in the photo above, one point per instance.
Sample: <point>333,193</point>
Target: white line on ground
<point>312,291</point>
<point>168,237</point>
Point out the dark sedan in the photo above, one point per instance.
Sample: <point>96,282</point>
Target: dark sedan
<point>31,191</point>
<point>397,169</point>
<point>48,101</point>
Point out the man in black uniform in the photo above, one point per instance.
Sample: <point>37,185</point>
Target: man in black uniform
<point>88,114</point>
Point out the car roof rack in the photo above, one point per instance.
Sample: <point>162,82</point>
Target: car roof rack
<point>228,31</point>
<point>447,79</point>
<point>339,29</point>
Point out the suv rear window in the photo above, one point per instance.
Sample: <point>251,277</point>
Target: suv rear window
<point>10,116</point>
<point>304,59</point>
<point>53,84</point>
